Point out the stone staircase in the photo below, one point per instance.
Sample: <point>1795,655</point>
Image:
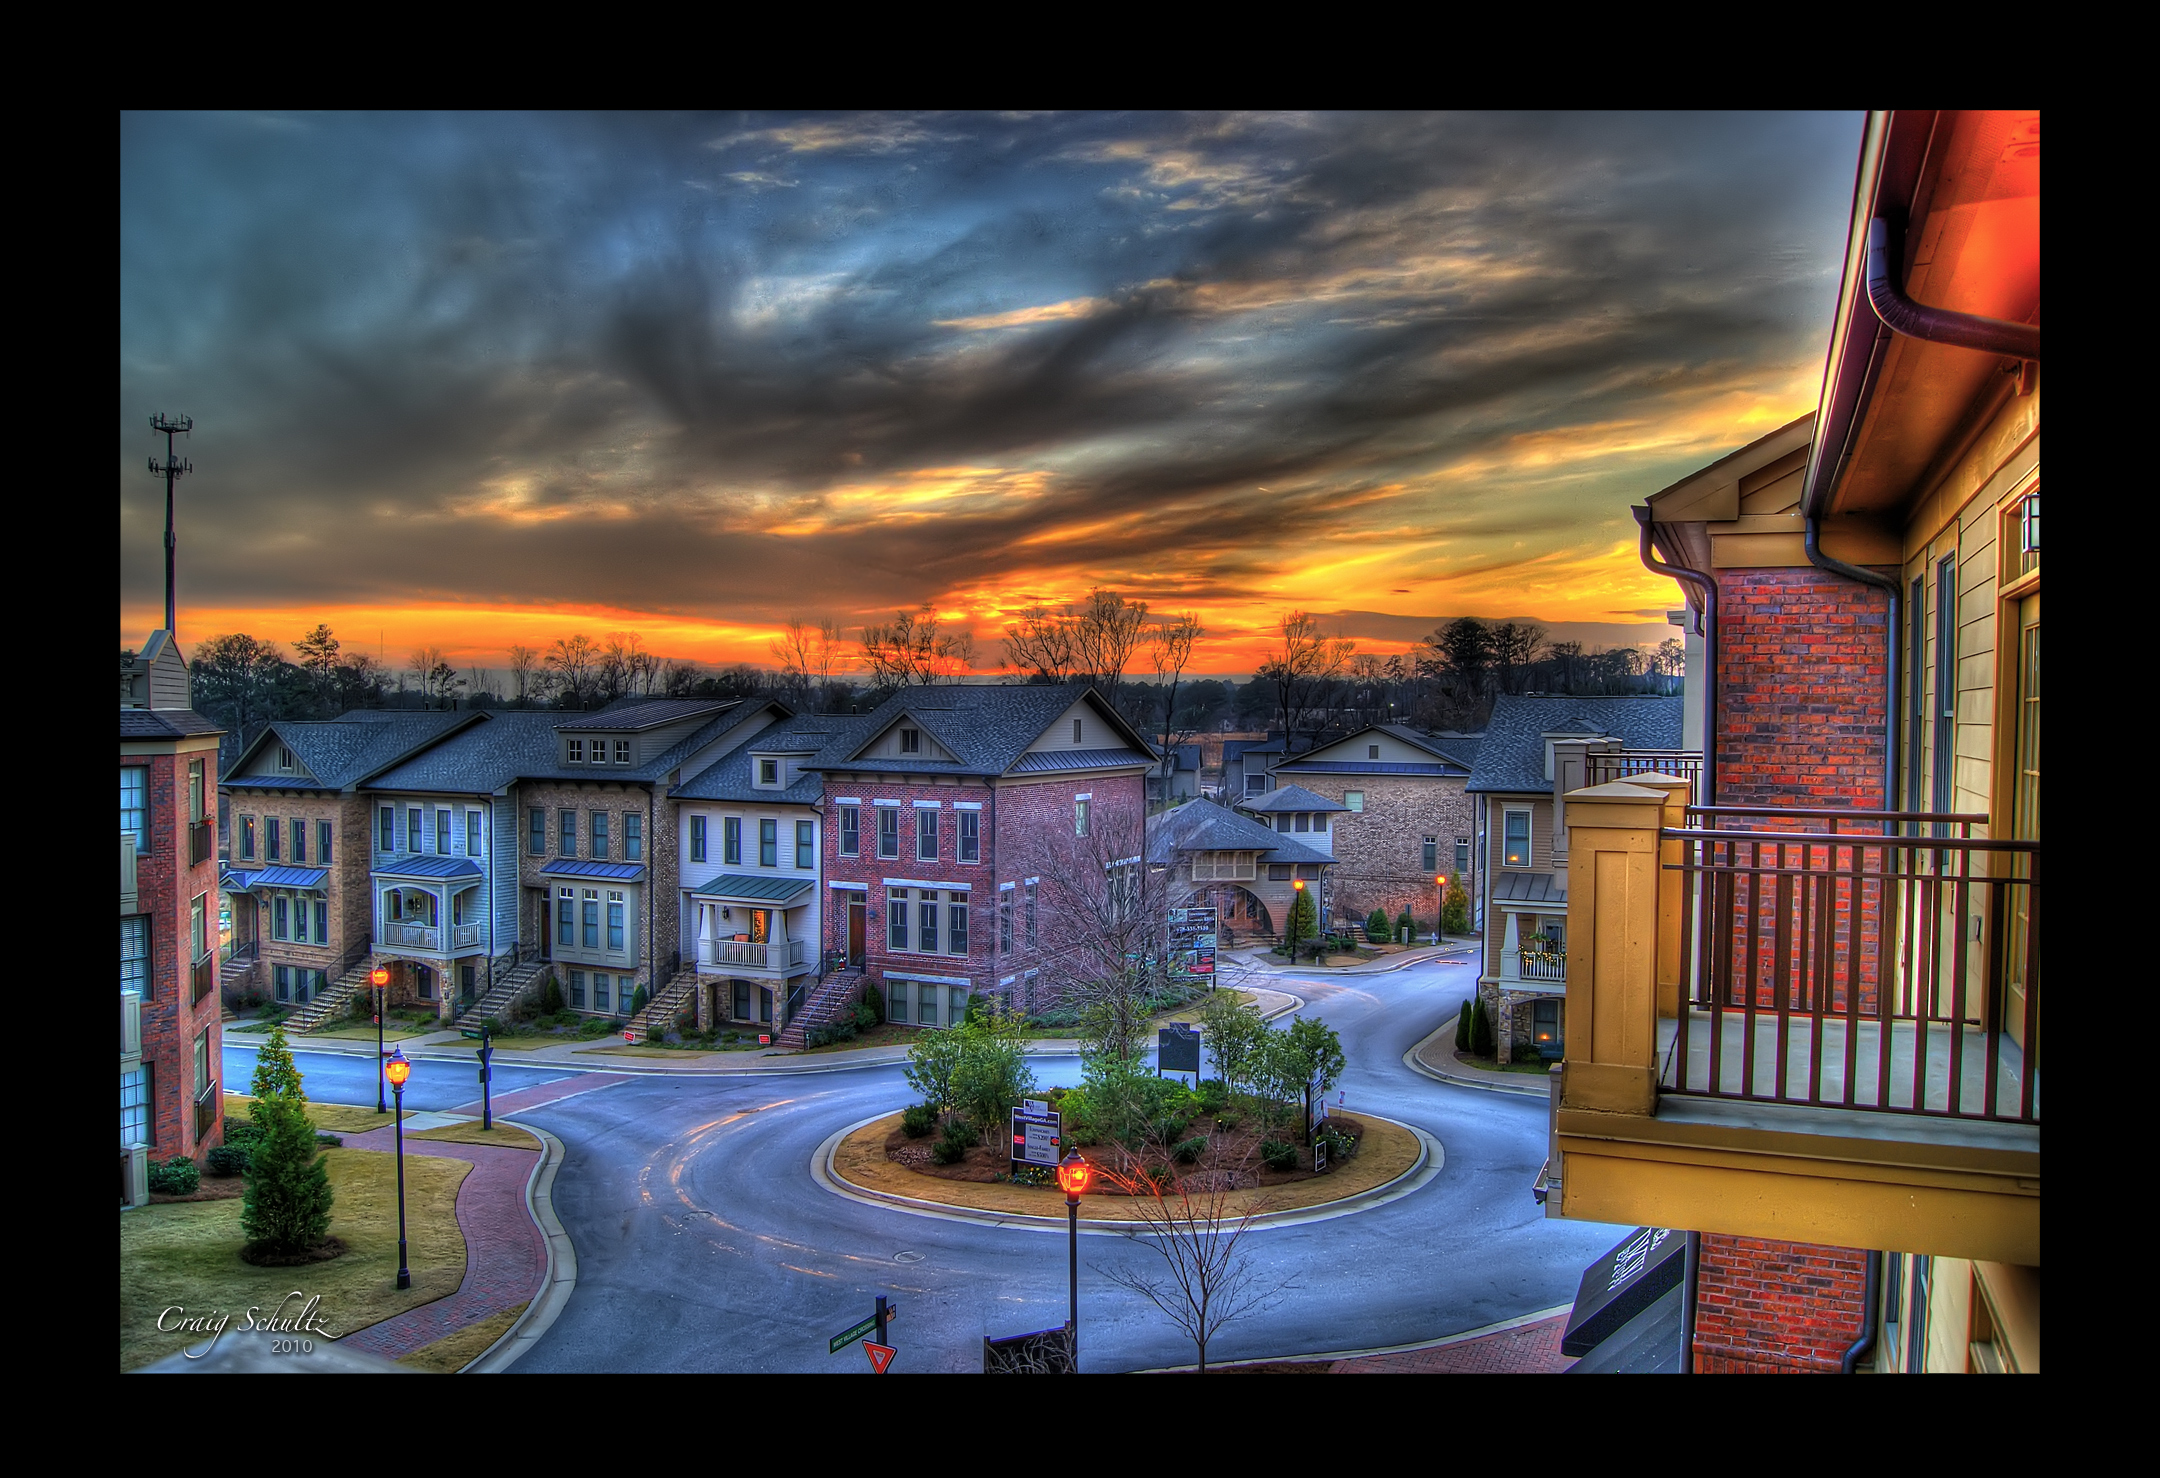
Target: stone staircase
<point>663,1008</point>
<point>831,999</point>
<point>334,1002</point>
<point>507,991</point>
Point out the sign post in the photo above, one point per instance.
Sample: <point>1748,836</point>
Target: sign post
<point>1192,945</point>
<point>487,1074</point>
<point>1177,1050</point>
<point>871,1334</point>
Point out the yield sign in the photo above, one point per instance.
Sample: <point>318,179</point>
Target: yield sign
<point>880,1355</point>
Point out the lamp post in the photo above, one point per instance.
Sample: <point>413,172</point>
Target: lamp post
<point>1297,886</point>
<point>379,978</point>
<point>1073,1175</point>
<point>1439,883</point>
<point>397,1069</point>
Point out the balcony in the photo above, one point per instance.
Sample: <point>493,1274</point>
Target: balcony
<point>130,1023</point>
<point>1605,766</point>
<point>1818,1026</point>
<point>464,936</point>
<point>203,978</point>
<point>127,873</point>
<point>1535,965</point>
<point>788,954</point>
<point>413,936</point>
<point>202,842</point>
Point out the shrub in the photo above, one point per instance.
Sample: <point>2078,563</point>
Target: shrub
<point>1213,1096</point>
<point>992,1072</point>
<point>551,997</point>
<point>865,1017</point>
<point>286,1208</point>
<point>178,1176</point>
<point>1158,1176</point>
<point>949,1151</point>
<point>1376,927</point>
<point>1404,921</point>
<point>1189,1151</point>
<point>1455,915</point>
<point>1277,1155</point>
<point>1034,1175</point>
<point>874,998</point>
<point>243,1132</point>
<point>229,1159</point>
<point>494,1026</point>
<point>638,998</point>
<point>328,1140</point>
<point>1462,1029</point>
<point>917,1120</point>
<point>1341,1144</point>
<point>1481,1030</point>
<point>592,1026</point>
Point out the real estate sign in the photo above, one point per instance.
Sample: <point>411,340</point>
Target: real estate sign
<point>1037,1137</point>
<point>1192,944</point>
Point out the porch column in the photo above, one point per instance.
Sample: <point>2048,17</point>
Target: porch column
<point>1613,882</point>
<point>1672,886</point>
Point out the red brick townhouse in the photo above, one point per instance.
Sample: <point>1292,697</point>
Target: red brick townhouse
<point>937,807</point>
<point>170,1042</point>
<point>1814,1005</point>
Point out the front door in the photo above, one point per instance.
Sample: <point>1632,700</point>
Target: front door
<point>547,930</point>
<point>855,932</point>
<point>2024,816</point>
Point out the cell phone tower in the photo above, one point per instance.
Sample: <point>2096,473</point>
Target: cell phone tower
<point>172,469</point>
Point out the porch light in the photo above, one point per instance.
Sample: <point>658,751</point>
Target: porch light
<point>1073,1174</point>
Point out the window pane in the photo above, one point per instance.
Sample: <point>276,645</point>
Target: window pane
<point>536,840</point>
<point>896,918</point>
<point>697,838</point>
<point>768,842</point>
<point>386,830</point>
<point>135,955</point>
<point>599,836</point>
<point>956,917</point>
<point>599,980</point>
<point>324,830</point>
<point>473,846</point>
<point>614,925</point>
<point>273,838</point>
<point>566,917</point>
<point>928,916</point>
<point>970,836</point>
<point>850,831</point>
<point>577,989</point>
<point>134,805</point>
<point>415,834</point>
<point>731,840</point>
<point>591,917</point>
<point>566,833</point>
<point>888,832</point>
<point>926,836</point>
<point>633,837</point>
<point>322,922</point>
<point>805,845</point>
<point>896,1000</point>
<point>247,838</point>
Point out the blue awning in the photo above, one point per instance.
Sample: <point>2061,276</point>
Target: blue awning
<point>278,877</point>
<point>428,869</point>
<point>617,872</point>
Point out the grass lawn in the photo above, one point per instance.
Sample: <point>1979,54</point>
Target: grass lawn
<point>337,1118</point>
<point>1492,1065</point>
<point>642,1049</point>
<point>503,1134</point>
<point>1191,1014</point>
<point>452,1353</point>
<point>187,1256</point>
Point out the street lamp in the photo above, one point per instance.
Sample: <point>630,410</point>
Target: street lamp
<point>1440,919</point>
<point>1298,886</point>
<point>379,977</point>
<point>397,1069</point>
<point>1073,1175</point>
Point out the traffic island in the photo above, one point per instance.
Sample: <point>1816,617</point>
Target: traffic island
<point>1388,1151</point>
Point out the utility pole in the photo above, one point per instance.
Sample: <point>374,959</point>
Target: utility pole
<point>172,469</point>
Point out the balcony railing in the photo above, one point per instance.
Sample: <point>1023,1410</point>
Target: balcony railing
<point>1535,966</point>
<point>412,936</point>
<point>1843,959</point>
<point>130,1023</point>
<point>203,977</point>
<point>1619,764</point>
<point>465,936</point>
<point>753,956</point>
<point>206,1107</point>
<point>202,842</point>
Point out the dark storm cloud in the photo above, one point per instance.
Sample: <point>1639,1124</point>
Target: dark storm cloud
<point>628,361</point>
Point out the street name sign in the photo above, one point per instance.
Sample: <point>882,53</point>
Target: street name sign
<point>860,1332</point>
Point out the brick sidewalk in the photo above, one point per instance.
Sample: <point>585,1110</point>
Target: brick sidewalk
<point>1530,1349</point>
<point>505,1258</point>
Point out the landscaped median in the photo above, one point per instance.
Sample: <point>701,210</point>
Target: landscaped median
<point>1387,1152</point>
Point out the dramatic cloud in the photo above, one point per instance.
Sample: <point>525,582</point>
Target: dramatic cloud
<point>487,378</point>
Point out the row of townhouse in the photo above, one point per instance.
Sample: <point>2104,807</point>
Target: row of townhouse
<point>1807,1009</point>
<point>755,865</point>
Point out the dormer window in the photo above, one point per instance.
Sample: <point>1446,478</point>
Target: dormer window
<point>1372,751</point>
<point>1076,731</point>
<point>622,751</point>
<point>284,760</point>
<point>768,772</point>
<point>577,751</point>
<point>910,741</point>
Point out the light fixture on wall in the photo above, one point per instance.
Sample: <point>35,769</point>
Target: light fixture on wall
<point>723,911</point>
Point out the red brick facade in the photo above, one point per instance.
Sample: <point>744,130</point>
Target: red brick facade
<point>1802,656</point>
<point>1776,1308</point>
<point>166,886</point>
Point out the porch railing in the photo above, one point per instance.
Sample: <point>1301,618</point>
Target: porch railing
<point>412,936</point>
<point>202,977</point>
<point>753,956</point>
<point>1535,966</point>
<point>1601,766</point>
<point>464,936</point>
<point>1846,959</point>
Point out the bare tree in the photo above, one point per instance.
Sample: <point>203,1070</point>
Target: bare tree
<point>1101,921</point>
<point>1516,648</point>
<point>912,652</point>
<point>1041,643</point>
<point>571,660</point>
<point>1172,646</point>
<point>1203,1276</point>
<point>1105,632</point>
<point>678,677</point>
<point>1303,668</point>
<point>806,653</point>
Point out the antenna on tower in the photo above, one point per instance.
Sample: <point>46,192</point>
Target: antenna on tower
<point>172,469</point>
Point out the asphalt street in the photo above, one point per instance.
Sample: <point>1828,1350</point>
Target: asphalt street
<point>705,1244</point>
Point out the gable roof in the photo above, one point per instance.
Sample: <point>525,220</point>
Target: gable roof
<point>341,752</point>
<point>164,723</point>
<point>728,779</point>
<point>1512,757</point>
<point>517,744</point>
<point>1203,826</point>
<point>1290,798</point>
<point>988,728</point>
<point>630,715</point>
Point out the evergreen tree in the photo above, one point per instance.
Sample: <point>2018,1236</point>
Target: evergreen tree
<point>1304,919</point>
<point>1455,916</point>
<point>1376,927</point>
<point>287,1205</point>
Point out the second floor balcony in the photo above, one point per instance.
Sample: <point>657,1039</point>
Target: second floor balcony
<point>744,954</point>
<point>1814,1025</point>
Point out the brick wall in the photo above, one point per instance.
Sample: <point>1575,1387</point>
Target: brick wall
<point>166,887</point>
<point>1380,851</point>
<point>1769,1308</point>
<point>352,917</point>
<point>867,868</point>
<point>658,899</point>
<point>1802,659</point>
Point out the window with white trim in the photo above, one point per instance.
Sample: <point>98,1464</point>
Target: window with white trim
<point>850,831</point>
<point>135,954</point>
<point>927,918</point>
<point>896,918</point>
<point>805,845</point>
<point>888,831</point>
<point>247,838</point>
<point>970,829</point>
<point>1005,919</point>
<point>622,751</point>
<point>910,741</point>
<point>1354,799</point>
<point>731,841</point>
<point>926,836</point>
<point>1515,839</point>
<point>633,837</point>
<point>475,845</point>
<point>697,838</point>
<point>577,751</point>
<point>566,917</point>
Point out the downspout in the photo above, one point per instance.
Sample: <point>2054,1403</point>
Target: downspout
<point>1891,675</point>
<point>1690,1275</point>
<point>1707,627</point>
<point>1902,315</point>
<point>1872,1291</point>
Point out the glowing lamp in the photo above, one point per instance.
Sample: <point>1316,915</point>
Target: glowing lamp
<point>1299,884</point>
<point>397,1067</point>
<point>1440,883</point>
<point>379,977</point>
<point>1073,1175</point>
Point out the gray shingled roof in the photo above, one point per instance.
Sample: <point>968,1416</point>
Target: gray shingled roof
<point>987,727</point>
<point>346,750</point>
<point>629,715</point>
<point>1512,757</point>
<point>729,778</point>
<point>1291,798</point>
<point>1203,826</point>
<point>164,723</point>
<point>521,745</point>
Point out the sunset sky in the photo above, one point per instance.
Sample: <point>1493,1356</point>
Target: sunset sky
<point>474,380</point>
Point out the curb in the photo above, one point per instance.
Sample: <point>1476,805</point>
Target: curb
<point>1337,972</point>
<point>1432,1158</point>
<point>1536,1316</point>
<point>560,1280</point>
<point>1410,1061</point>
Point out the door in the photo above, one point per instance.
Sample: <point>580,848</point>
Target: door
<point>855,932</point>
<point>547,930</point>
<point>2024,820</point>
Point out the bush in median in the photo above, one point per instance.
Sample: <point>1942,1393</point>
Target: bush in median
<point>286,1210</point>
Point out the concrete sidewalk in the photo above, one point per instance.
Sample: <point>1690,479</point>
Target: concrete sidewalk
<point>1264,959</point>
<point>1529,1346</point>
<point>1435,1058</point>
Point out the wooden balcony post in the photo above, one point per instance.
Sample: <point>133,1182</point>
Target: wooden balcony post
<point>1612,959</point>
<point>1672,885</point>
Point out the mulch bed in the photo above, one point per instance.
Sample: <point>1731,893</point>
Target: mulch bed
<point>1231,1160</point>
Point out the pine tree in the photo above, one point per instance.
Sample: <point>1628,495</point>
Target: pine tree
<point>1304,920</point>
<point>1376,927</point>
<point>1455,914</point>
<point>287,1206</point>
